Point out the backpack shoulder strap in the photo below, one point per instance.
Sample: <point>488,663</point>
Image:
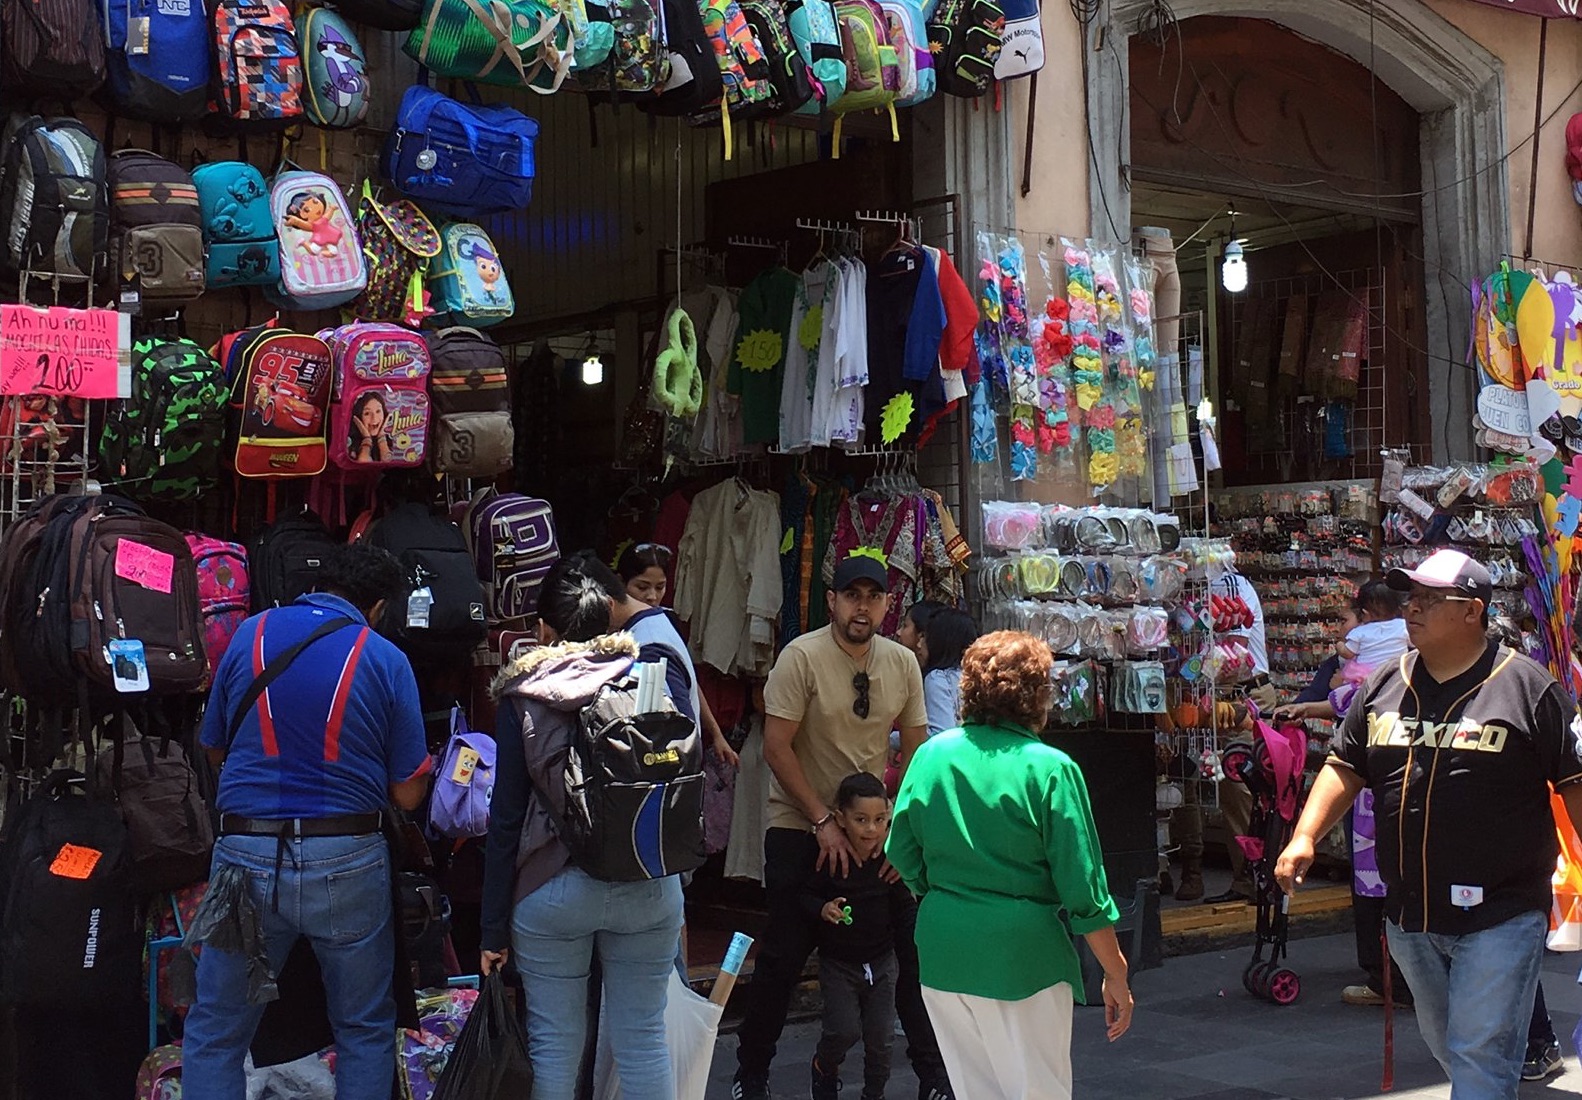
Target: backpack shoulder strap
<point>273,671</point>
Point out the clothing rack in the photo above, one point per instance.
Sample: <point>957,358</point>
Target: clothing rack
<point>820,225</point>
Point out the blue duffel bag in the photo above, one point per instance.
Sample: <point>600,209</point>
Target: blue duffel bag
<point>466,160</point>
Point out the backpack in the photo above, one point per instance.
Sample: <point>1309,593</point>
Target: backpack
<point>873,66</point>
<point>55,197</point>
<point>425,919</point>
<point>156,228</point>
<point>473,432</point>
<point>321,260</point>
<point>817,37</point>
<point>244,249</point>
<point>335,81</point>
<point>159,1077</point>
<point>965,38</point>
<point>224,596</point>
<point>469,283</point>
<point>258,80</point>
<point>1022,40</point>
<point>386,15</point>
<point>740,57</point>
<point>280,395</point>
<point>592,33</point>
<point>463,782</point>
<point>379,418</point>
<point>909,35</point>
<point>399,243</point>
<point>461,160</point>
<point>513,544</point>
<point>284,561</point>
<point>50,50</point>
<point>694,82</point>
<point>788,73</point>
<point>159,59</point>
<point>20,547</point>
<point>638,63</point>
<point>440,613</point>
<point>170,434</point>
<point>69,929</point>
<point>634,787</point>
<point>170,834</point>
<point>518,43</point>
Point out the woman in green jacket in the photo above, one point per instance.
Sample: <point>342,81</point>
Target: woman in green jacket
<point>993,831</point>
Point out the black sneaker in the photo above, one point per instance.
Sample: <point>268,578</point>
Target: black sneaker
<point>750,1088</point>
<point>1542,1062</point>
<point>826,1086</point>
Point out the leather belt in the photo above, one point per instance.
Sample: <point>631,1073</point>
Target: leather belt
<point>297,827</point>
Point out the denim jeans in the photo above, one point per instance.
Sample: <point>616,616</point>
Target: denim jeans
<point>556,931</point>
<point>1474,999</point>
<point>335,891</point>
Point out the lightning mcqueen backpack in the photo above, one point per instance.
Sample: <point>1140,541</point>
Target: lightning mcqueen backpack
<point>280,395</point>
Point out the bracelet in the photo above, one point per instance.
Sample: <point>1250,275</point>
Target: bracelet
<point>823,821</point>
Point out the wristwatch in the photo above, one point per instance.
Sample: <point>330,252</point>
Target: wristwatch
<point>823,821</point>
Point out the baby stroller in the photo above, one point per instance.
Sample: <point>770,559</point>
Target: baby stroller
<point>1271,768</point>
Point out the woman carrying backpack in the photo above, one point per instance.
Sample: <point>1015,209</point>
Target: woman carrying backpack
<point>540,910</point>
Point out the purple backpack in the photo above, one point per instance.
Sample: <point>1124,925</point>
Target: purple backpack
<point>463,782</point>
<point>513,544</point>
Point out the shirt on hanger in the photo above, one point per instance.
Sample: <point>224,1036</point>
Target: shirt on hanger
<point>843,359</point>
<point>728,584</point>
<point>906,319</point>
<point>797,406</point>
<point>763,333</point>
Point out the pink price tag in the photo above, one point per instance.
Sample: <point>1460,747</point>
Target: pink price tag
<point>144,565</point>
<point>65,352</point>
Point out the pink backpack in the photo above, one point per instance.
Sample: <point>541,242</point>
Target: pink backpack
<point>379,416</point>
<point>223,591</point>
<point>159,1077</point>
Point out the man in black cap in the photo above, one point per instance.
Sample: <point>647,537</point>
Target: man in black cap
<point>1459,742</point>
<point>831,701</point>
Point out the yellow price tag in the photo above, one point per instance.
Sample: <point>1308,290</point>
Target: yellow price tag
<point>785,543</point>
<point>760,351</point>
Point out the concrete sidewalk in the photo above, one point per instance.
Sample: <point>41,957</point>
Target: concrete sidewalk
<point>1198,1034</point>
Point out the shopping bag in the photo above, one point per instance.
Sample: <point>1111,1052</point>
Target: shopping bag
<point>1565,917</point>
<point>692,1024</point>
<point>490,1061</point>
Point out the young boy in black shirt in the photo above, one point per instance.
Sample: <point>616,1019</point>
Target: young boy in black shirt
<point>856,944</point>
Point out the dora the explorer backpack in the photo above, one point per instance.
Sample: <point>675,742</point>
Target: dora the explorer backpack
<point>258,78</point>
<point>466,279</point>
<point>399,243</point>
<point>243,248</point>
<point>321,259</point>
<point>280,396</point>
<point>379,419</point>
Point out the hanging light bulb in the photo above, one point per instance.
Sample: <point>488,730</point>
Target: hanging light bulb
<point>592,370</point>
<point>1233,272</point>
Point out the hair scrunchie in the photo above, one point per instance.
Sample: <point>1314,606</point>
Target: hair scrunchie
<point>678,384</point>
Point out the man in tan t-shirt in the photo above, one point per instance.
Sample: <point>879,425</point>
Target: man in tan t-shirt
<point>831,701</point>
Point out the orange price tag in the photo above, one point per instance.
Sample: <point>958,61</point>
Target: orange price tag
<point>75,862</point>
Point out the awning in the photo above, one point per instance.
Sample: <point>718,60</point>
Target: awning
<point>1553,9</point>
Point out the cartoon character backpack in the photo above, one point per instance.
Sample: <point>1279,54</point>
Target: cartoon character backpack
<point>380,416</point>
<point>321,260</point>
<point>243,247</point>
<point>399,243</point>
<point>280,396</point>
<point>335,80</point>
<point>469,286</point>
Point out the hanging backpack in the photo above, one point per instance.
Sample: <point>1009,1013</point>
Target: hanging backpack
<point>258,82</point>
<point>513,544</point>
<point>817,38</point>
<point>50,50</point>
<point>159,1077</point>
<point>458,159</point>
<point>244,249</point>
<point>517,43</point>
<point>965,38</point>
<point>168,438</point>
<point>55,198</point>
<point>633,788</point>
<point>156,229</point>
<point>399,245</point>
<point>321,260</point>
<point>463,782</point>
<point>788,73</point>
<point>467,280</point>
<point>743,67</point>
<point>69,937</point>
<point>694,82</point>
<point>379,419</point>
<point>284,561</point>
<point>158,59</point>
<point>224,591</point>
<point>873,66</point>
<point>170,834</point>
<point>473,435</point>
<point>592,33</point>
<point>908,33</point>
<point>23,664</point>
<point>439,615</point>
<point>335,77</point>
<point>1022,40</point>
<point>638,63</point>
<point>280,396</point>
<point>385,15</point>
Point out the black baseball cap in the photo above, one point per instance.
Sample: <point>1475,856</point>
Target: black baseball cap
<point>860,567</point>
<point>1449,569</point>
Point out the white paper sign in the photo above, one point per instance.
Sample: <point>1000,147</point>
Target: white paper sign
<point>1505,411</point>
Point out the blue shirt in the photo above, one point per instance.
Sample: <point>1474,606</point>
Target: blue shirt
<point>332,734</point>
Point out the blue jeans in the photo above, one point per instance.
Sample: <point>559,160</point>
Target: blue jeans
<point>633,926</point>
<point>336,892</point>
<point>1474,998</point>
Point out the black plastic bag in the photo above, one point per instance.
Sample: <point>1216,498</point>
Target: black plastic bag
<point>490,1060</point>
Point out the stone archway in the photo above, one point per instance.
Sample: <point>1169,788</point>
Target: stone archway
<point>1458,89</point>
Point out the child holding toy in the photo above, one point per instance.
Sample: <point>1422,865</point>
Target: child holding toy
<point>856,943</point>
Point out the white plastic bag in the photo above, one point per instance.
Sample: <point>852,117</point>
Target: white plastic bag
<point>691,1025</point>
<point>305,1079</point>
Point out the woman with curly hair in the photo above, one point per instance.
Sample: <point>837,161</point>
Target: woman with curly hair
<point>993,831</point>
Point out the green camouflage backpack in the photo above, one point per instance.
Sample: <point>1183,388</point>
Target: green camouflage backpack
<point>169,437</point>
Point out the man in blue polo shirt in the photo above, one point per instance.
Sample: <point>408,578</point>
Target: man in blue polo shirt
<point>309,764</point>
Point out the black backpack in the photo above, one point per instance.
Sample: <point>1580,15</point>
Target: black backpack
<point>634,788</point>
<point>283,562</point>
<point>787,71</point>
<point>51,49</point>
<point>156,228</point>
<point>58,166</point>
<point>170,834</point>
<point>169,436</point>
<point>425,923</point>
<point>695,81</point>
<point>440,613</point>
<point>19,550</point>
<point>964,37</point>
<point>69,923</point>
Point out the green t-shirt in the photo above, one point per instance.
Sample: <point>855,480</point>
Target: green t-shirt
<point>993,831</point>
<point>763,334</point>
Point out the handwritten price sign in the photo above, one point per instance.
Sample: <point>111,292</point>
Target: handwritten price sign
<point>65,352</point>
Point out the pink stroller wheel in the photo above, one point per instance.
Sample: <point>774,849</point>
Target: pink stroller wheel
<point>1285,986</point>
